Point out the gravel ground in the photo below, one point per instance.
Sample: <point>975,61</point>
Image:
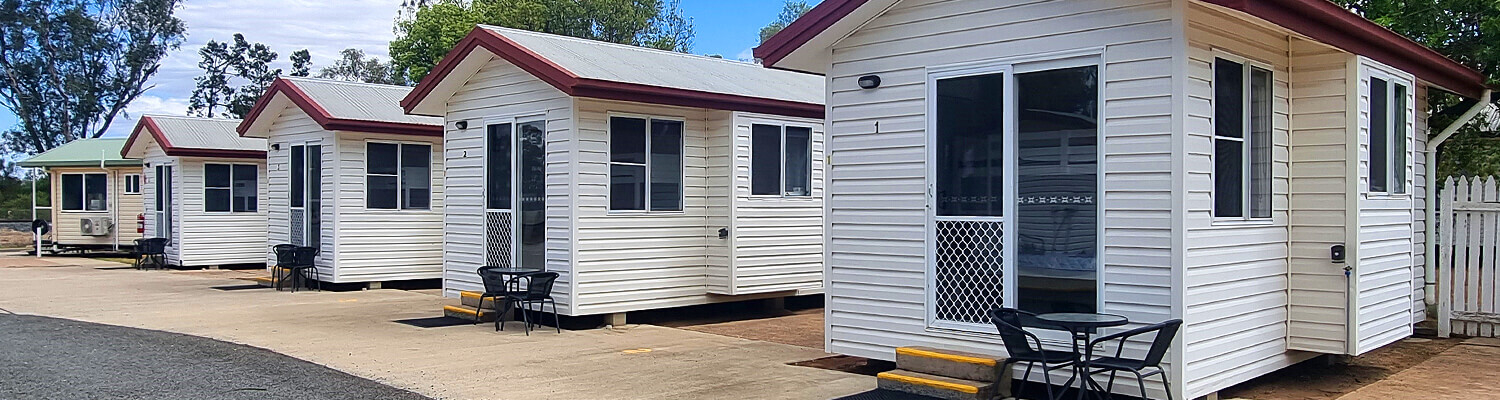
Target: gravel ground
<point>49,358</point>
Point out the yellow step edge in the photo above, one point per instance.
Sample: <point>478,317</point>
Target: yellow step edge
<point>927,382</point>
<point>945,356</point>
<point>261,279</point>
<point>463,310</point>
<point>472,295</point>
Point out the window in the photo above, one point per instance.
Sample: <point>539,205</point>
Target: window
<point>1242,140</point>
<point>398,176</point>
<point>645,168</point>
<point>780,160</point>
<point>497,164</point>
<point>133,184</point>
<point>229,187</point>
<point>85,192</point>
<point>1388,136</point>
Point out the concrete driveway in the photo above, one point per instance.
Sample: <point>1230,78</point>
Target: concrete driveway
<point>353,332</point>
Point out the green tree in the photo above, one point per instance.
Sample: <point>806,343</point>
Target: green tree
<point>212,92</point>
<point>301,63</point>
<point>353,66</point>
<point>428,29</point>
<point>235,75</point>
<point>790,11</point>
<point>68,68</point>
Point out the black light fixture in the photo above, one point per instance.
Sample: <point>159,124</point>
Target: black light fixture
<point>275,146</point>
<point>461,125</point>
<point>869,81</point>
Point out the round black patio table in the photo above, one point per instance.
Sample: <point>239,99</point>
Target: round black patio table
<point>1081,326</point>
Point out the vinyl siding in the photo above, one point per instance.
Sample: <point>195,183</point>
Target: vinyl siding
<point>1420,180</point>
<point>721,200</point>
<point>500,89</point>
<point>294,127</point>
<point>877,141</point>
<point>777,240</point>
<point>1385,276</point>
<point>122,208</point>
<point>1236,285</point>
<point>1319,196</point>
<point>384,245</point>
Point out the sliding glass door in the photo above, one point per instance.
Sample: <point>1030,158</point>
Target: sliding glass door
<point>515,193</point>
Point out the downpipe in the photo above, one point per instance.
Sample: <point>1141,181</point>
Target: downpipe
<point>1429,261</point>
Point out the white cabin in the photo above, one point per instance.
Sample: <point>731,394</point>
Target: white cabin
<point>96,195</point>
<point>351,174</point>
<point>204,189</point>
<point>1155,159</point>
<point>647,179</point>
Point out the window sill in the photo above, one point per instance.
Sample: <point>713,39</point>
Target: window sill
<point>626,213</point>
<point>1388,196</point>
<point>1232,222</point>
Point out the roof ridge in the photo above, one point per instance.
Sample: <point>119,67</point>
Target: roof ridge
<point>344,82</point>
<point>235,120</point>
<point>626,46</point>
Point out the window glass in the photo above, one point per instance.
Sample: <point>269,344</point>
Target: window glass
<point>416,176</point>
<point>1398,140</point>
<point>627,187</point>
<point>246,180</point>
<point>798,161</point>
<point>666,165</point>
<point>299,162</point>
<point>765,159</point>
<point>1229,94</point>
<point>497,167</point>
<point>381,177</point>
<point>970,142</point>
<point>627,140</point>
<point>95,192</point>
<point>132,184</point>
<point>160,178</point>
<point>216,188</point>
<point>1379,135</point>
<point>1260,143</point>
<point>314,231</point>
<point>1229,138</point>
<point>72,192</point>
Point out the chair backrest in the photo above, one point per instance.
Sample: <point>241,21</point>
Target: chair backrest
<point>539,284</point>
<point>494,281</point>
<point>1009,322</point>
<point>151,246</point>
<point>306,256</point>
<point>285,254</point>
<point>1162,342</point>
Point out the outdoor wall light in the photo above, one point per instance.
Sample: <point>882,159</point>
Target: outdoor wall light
<point>275,146</point>
<point>869,81</point>
<point>461,125</point>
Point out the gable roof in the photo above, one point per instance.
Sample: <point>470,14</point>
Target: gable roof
<point>339,106</point>
<point>192,137</point>
<point>83,153</point>
<point>587,68</point>
<point>1320,20</point>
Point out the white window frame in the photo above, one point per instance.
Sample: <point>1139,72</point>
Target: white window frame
<point>1246,142</point>
<point>781,154</point>
<point>132,179</point>
<point>230,188</point>
<point>83,191</point>
<point>609,161</point>
<point>400,156</point>
<point>1010,67</point>
<point>1392,80</point>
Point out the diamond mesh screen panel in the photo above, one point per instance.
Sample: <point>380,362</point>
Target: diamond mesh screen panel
<point>970,270</point>
<point>298,227</point>
<point>497,238</point>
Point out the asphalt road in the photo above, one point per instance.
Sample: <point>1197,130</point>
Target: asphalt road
<point>49,358</point>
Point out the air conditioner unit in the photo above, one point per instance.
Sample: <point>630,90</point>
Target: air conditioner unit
<point>96,226</point>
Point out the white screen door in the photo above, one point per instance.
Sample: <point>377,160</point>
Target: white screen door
<point>515,193</point>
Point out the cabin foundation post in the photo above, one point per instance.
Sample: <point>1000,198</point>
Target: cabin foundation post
<point>211,267</point>
<point>372,286</point>
<point>775,304</point>
<point>616,319</point>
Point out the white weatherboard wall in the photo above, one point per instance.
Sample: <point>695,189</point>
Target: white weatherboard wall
<point>501,90</point>
<point>204,238</point>
<point>1385,271</point>
<point>122,208</point>
<point>877,186</point>
<point>383,245</point>
<point>776,243</point>
<point>294,127</point>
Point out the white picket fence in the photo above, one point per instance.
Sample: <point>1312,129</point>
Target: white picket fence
<point>1468,255</point>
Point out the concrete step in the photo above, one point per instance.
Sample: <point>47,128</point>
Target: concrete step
<point>262,280</point>
<point>469,313</point>
<point>949,363</point>
<point>941,387</point>
<point>471,299</point>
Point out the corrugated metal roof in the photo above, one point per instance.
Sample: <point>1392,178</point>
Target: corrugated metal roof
<point>205,133</point>
<point>82,153</point>
<point>360,101</point>
<point>630,64</point>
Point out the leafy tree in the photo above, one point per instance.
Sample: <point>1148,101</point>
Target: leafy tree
<point>790,11</point>
<point>68,68</point>
<point>235,75</point>
<point>428,29</point>
<point>353,66</point>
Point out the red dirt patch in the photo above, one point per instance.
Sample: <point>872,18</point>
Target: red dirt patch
<point>1316,379</point>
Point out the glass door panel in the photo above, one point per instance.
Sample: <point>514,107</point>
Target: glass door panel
<point>968,203</point>
<point>531,179</point>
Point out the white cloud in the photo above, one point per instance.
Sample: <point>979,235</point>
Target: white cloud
<point>322,27</point>
<point>746,55</point>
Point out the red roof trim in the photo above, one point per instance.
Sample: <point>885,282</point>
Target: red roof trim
<point>804,29</point>
<point>1319,19</point>
<point>149,125</point>
<point>571,84</point>
<point>325,119</point>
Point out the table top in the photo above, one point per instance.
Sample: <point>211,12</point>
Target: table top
<point>1083,320</point>
<point>511,270</point>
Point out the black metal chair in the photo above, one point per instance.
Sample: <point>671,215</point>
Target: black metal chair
<point>294,262</point>
<point>153,250</point>
<point>496,287</point>
<point>1165,331</point>
<point>538,289</point>
<point>1025,347</point>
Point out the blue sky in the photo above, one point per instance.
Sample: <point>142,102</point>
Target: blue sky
<point>726,27</point>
